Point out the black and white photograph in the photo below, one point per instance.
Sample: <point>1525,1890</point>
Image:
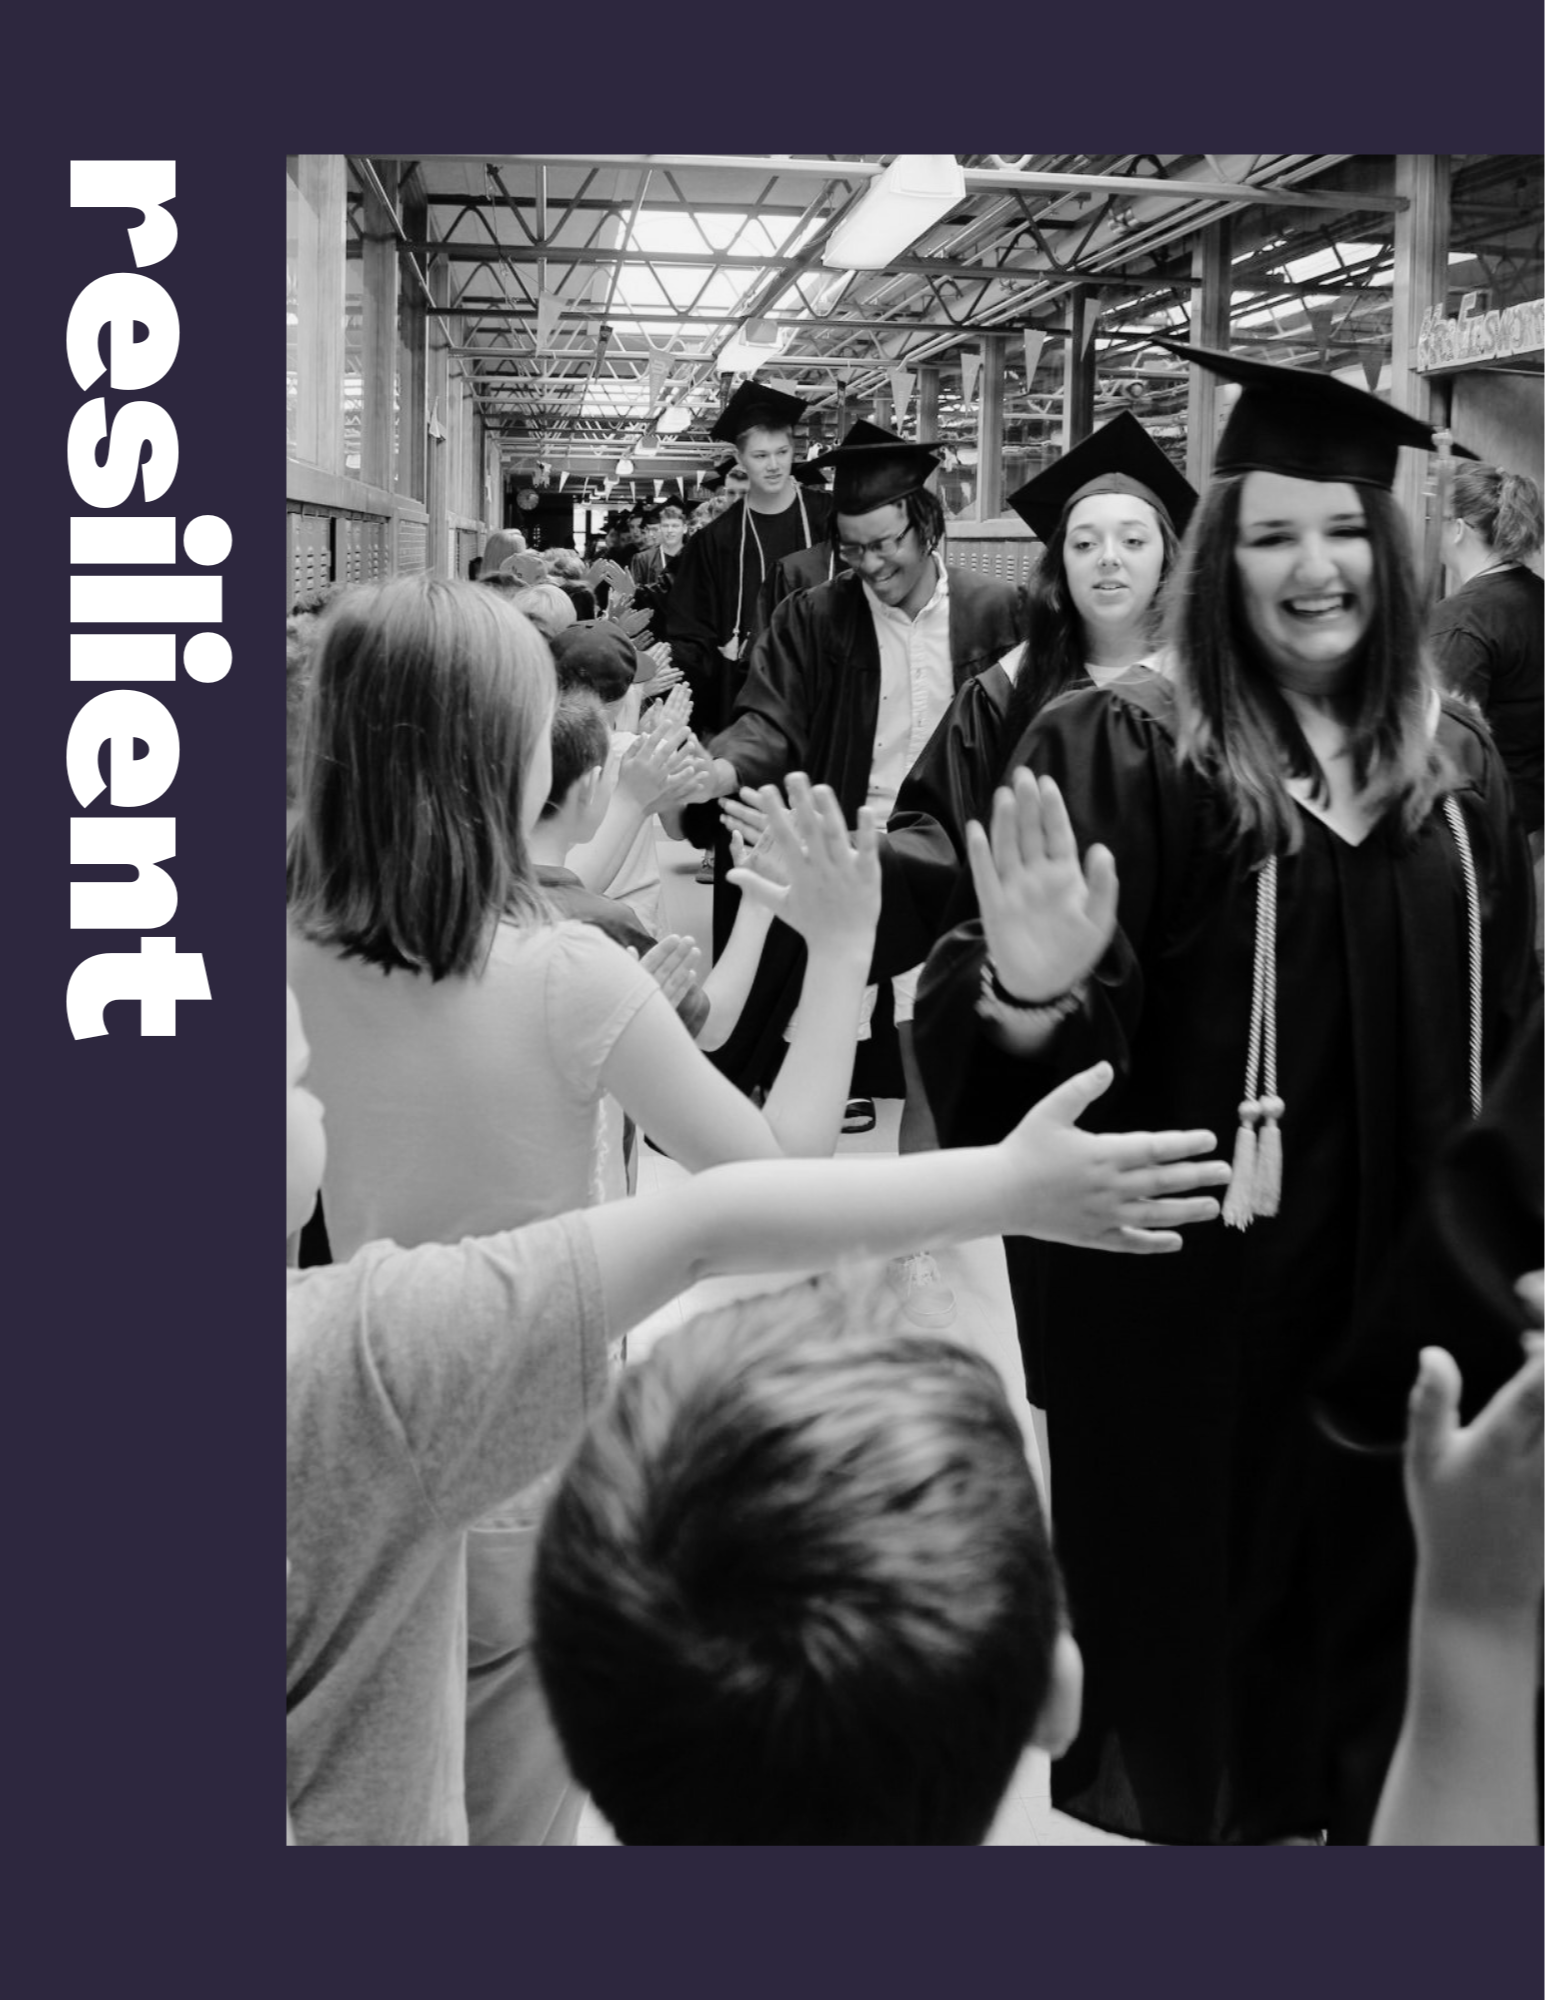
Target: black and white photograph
<point>914,825</point>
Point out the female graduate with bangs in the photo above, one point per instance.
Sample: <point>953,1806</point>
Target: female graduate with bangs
<point>1109,514</point>
<point>1283,892</point>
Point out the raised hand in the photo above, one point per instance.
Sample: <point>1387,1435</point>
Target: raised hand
<point>833,894</point>
<point>1129,1191</point>
<point>744,815</point>
<point>674,961</point>
<point>658,770</point>
<point>1474,1494</point>
<point>670,713</point>
<point>1047,920</point>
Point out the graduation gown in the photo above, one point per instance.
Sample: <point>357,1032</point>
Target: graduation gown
<point>811,703</point>
<point>713,585</point>
<point>803,570</point>
<point>1238,1585</point>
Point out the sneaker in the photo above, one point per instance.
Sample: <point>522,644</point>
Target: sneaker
<point>705,872</point>
<point>925,1298</point>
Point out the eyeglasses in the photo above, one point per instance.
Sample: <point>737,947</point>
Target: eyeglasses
<point>887,548</point>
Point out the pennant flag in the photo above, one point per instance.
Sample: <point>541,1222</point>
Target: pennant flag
<point>1091,312</point>
<point>547,308</point>
<point>1034,342</point>
<point>1372,359</point>
<point>1321,320</point>
<point>970,364</point>
<point>901,391</point>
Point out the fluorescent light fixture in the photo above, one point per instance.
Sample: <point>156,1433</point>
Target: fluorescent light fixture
<point>752,347</point>
<point>624,468</point>
<point>674,420</point>
<point>913,193</point>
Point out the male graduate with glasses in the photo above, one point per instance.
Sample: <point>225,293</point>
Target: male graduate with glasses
<point>848,683</point>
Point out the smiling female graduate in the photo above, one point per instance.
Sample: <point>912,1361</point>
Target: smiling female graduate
<point>1282,891</point>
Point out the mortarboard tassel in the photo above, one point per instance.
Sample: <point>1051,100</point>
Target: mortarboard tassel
<point>1268,1157</point>
<point>1239,1201</point>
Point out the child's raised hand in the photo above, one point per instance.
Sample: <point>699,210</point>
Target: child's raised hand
<point>1128,1191</point>
<point>759,855</point>
<point>653,763</point>
<point>674,961</point>
<point>1474,1495</point>
<point>744,814</point>
<point>833,893</point>
<point>670,713</point>
<point>1047,920</point>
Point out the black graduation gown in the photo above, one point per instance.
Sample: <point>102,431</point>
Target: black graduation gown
<point>803,570</point>
<point>1239,1587</point>
<point>811,703</point>
<point>712,584</point>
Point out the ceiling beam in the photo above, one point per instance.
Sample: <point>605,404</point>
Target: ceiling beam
<point>699,260</point>
<point>978,179</point>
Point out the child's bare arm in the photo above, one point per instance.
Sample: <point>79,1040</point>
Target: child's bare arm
<point>1127,1192</point>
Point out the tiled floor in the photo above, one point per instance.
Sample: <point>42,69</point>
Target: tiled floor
<point>984,1321</point>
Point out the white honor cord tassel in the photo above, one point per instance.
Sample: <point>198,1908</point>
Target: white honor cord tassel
<point>1255,1185</point>
<point>1456,826</point>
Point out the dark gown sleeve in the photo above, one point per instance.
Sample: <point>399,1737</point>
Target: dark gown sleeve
<point>923,852</point>
<point>1113,759</point>
<point>769,735</point>
<point>695,616</point>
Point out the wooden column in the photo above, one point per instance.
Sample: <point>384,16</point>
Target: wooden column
<point>989,429</point>
<point>1078,370</point>
<point>319,307</point>
<point>1420,280</point>
<point>1212,291</point>
<point>928,402</point>
<point>379,343</point>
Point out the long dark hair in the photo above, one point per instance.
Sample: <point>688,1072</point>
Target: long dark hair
<point>1237,729</point>
<point>1056,652</point>
<point>420,723</point>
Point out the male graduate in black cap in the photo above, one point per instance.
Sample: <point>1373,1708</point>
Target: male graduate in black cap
<point>655,570</point>
<point>712,616</point>
<point>847,684</point>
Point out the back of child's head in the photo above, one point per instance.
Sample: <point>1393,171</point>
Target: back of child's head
<point>795,1586</point>
<point>581,741</point>
<point>580,595</point>
<point>427,703</point>
<point>599,656</point>
<point>547,608</point>
<point>563,565</point>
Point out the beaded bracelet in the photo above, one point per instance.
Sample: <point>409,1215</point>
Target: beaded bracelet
<point>996,1000</point>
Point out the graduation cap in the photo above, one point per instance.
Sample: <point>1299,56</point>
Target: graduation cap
<point>1307,426</point>
<point>808,473</point>
<point>1120,457</point>
<point>754,406</point>
<point>656,508</point>
<point>873,467</point>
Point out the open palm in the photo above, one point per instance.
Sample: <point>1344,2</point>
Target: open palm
<point>1047,920</point>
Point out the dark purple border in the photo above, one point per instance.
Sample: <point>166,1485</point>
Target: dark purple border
<point>143,1407</point>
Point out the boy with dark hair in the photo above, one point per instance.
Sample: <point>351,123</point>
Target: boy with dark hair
<point>796,1587</point>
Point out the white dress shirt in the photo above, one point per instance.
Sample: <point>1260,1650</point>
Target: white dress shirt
<point>917,685</point>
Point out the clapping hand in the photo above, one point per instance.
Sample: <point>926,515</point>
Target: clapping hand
<point>1127,1191</point>
<point>832,891</point>
<point>1047,920</point>
<point>670,713</point>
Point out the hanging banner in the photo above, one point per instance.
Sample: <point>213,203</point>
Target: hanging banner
<point>970,367</point>
<point>900,380</point>
<point>1091,312</point>
<point>1034,342</point>
<point>657,373</point>
<point>1372,359</point>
